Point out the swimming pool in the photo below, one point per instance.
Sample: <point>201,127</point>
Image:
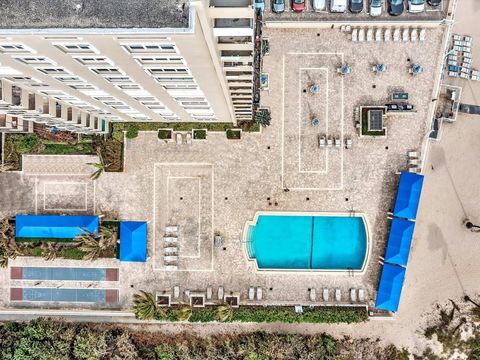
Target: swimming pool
<point>308,241</point>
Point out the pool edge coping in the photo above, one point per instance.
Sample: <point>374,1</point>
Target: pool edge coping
<point>359,214</point>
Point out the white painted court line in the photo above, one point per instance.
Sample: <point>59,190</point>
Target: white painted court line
<point>154,242</point>
<point>85,208</point>
<point>300,116</point>
<point>199,216</point>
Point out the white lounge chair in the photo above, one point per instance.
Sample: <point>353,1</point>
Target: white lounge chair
<point>321,142</point>
<point>405,35</point>
<point>313,294</point>
<point>361,295</point>
<point>189,139</point>
<point>353,295</point>
<point>170,258</point>
<point>220,293</point>
<point>259,293</point>
<point>378,35</point>
<point>422,34</point>
<point>414,161</point>
<point>209,293</point>
<point>171,229</point>
<point>338,295</point>
<point>414,35</point>
<point>338,143</point>
<point>361,35</point>
<point>176,292</point>
<point>414,169</point>
<point>355,35</point>
<point>413,154</point>
<point>370,35</point>
<point>396,35</point>
<point>170,239</point>
<point>178,137</point>
<point>171,267</point>
<point>170,250</point>
<point>326,294</point>
<point>329,142</point>
<point>348,143</point>
<point>251,293</point>
<point>388,35</point>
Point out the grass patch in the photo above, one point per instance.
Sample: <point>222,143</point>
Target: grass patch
<point>36,240</point>
<point>52,148</point>
<point>270,314</point>
<point>71,253</point>
<point>200,134</point>
<point>164,134</point>
<point>234,134</point>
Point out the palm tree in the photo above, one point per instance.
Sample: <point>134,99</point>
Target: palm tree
<point>224,312</point>
<point>49,251</point>
<point>93,244</point>
<point>263,117</point>
<point>183,312</point>
<point>5,167</point>
<point>3,260</point>
<point>99,167</point>
<point>8,246</point>
<point>144,306</point>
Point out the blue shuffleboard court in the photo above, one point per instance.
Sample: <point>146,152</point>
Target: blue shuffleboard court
<point>285,242</point>
<point>63,273</point>
<point>65,295</point>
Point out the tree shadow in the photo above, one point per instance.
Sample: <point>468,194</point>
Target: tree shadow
<point>436,241</point>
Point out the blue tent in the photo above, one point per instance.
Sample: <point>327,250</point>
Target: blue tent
<point>408,195</point>
<point>390,287</point>
<point>54,226</point>
<point>399,241</point>
<point>133,241</point>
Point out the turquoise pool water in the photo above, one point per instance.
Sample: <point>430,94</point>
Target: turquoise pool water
<point>308,242</point>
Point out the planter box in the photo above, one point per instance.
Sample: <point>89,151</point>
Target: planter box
<point>199,134</point>
<point>165,135</point>
<point>233,300</point>
<point>234,134</point>
<point>197,300</point>
<point>163,300</point>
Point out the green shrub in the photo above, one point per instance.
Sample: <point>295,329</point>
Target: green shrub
<point>26,143</point>
<point>233,134</point>
<point>199,134</point>
<point>132,131</point>
<point>164,134</point>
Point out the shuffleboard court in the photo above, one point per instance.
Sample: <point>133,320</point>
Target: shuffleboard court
<point>64,295</point>
<point>64,273</point>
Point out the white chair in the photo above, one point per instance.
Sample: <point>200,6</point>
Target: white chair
<point>170,239</point>
<point>251,293</point>
<point>405,35</point>
<point>353,295</point>
<point>171,229</point>
<point>378,35</point>
<point>414,162</point>
<point>179,139</point>
<point>189,139</point>
<point>413,154</point>
<point>414,35</point>
<point>220,293</point>
<point>209,292</point>
<point>176,292</point>
<point>355,35</point>
<point>396,35</point>
<point>321,142</point>
<point>361,295</point>
<point>348,143</point>
<point>329,142</point>
<point>326,295</point>
<point>171,267</point>
<point>361,35</point>
<point>338,143</point>
<point>313,294</point>
<point>259,293</point>
<point>388,35</point>
<point>170,258</point>
<point>170,250</point>
<point>338,295</point>
<point>422,34</point>
<point>369,35</point>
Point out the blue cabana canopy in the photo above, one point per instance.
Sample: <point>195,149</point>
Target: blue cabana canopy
<point>390,287</point>
<point>54,226</point>
<point>399,241</point>
<point>133,241</point>
<point>408,195</point>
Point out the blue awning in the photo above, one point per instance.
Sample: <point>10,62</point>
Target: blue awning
<point>399,241</point>
<point>408,195</point>
<point>133,241</point>
<point>54,226</point>
<point>390,287</point>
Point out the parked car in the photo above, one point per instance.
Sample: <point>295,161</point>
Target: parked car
<point>434,2</point>
<point>298,5</point>
<point>395,7</point>
<point>260,5</point>
<point>339,6</point>
<point>356,6</point>
<point>278,6</point>
<point>376,7</point>
<point>416,6</point>
<point>319,5</point>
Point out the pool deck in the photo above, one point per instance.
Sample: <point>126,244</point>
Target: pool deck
<point>218,185</point>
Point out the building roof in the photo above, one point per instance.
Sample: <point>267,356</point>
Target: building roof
<point>21,14</point>
<point>54,226</point>
<point>133,241</point>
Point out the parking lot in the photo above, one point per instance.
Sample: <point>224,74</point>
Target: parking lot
<point>431,13</point>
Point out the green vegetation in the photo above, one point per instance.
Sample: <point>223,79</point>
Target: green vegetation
<point>26,143</point>
<point>200,134</point>
<point>234,134</point>
<point>263,117</point>
<point>365,130</point>
<point>35,240</point>
<point>44,339</point>
<point>132,131</point>
<point>164,134</point>
<point>53,148</point>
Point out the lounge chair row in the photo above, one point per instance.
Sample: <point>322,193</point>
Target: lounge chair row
<point>328,142</point>
<point>179,138</point>
<point>170,251</point>
<point>208,292</point>
<point>338,295</point>
<point>413,35</point>
<point>251,293</point>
